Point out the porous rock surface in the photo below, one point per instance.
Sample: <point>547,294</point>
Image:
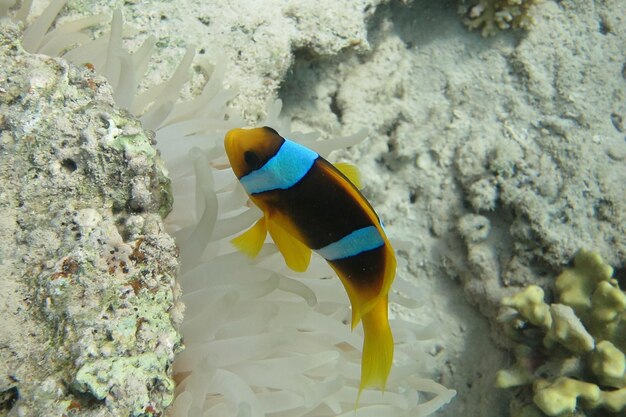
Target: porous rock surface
<point>257,38</point>
<point>89,302</point>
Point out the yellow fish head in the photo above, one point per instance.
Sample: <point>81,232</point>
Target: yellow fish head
<point>249,149</point>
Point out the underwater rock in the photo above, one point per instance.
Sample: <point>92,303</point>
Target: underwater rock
<point>86,266</point>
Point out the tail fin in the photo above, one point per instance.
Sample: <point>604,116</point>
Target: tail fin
<point>377,348</point>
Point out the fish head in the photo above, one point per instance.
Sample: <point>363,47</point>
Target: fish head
<point>249,149</point>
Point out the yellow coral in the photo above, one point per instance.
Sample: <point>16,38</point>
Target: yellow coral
<point>609,364</point>
<point>567,330</point>
<point>561,395</point>
<point>583,332</point>
<point>576,285</point>
<point>519,374</point>
<point>608,302</point>
<point>614,400</point>
<point>492,15</point>
<point>529,303</point>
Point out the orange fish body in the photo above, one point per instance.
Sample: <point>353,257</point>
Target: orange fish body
<point>309,204</point>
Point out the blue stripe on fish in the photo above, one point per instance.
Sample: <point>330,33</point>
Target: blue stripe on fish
<point>282,171</point>
<point>360,240</point>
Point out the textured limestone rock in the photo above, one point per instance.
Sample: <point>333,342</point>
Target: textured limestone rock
<point>89,302</point>
<point>258,38</point>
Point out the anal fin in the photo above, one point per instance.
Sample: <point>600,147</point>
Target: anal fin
<point>297,255</point>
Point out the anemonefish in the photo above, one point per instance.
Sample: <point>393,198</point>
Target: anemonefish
<point>310,204</point>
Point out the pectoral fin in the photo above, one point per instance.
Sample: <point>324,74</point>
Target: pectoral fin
<point>251,241</point>
<point>297,255</point>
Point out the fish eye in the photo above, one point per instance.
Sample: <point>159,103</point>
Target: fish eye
<point>252,159</point>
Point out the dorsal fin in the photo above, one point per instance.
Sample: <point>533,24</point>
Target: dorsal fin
<point>351,172</point>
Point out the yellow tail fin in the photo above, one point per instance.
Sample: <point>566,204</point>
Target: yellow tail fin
<point>377,347</point>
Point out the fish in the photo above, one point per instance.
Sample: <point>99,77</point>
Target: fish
<point>309,204</point>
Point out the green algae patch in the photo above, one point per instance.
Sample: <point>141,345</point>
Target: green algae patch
<point>101,376</point>
<point>125,135</point>
<point>133,144</point>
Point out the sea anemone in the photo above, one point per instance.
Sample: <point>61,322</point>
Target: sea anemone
<point>260,340</point>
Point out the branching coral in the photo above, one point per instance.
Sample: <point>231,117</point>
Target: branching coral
<point>492,15</point>
<point>259,341</point>
<point>572,351</point>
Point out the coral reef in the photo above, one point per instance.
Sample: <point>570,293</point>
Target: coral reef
<point>493,15</point>
<point>572,351</point>
<point>90,313</point>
